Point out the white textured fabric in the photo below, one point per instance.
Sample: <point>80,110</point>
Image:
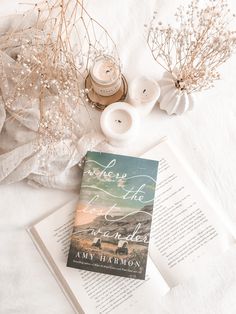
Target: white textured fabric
<point>21,157</point>
<point>206,136</point>
<point>50,165</point>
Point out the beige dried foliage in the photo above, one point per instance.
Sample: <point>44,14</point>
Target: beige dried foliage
<point>44,60</point>
<point>193,51</point>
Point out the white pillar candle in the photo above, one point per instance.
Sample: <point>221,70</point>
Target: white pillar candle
<point>105,76</point>
<point>119,123</point>
<point>143,94</point>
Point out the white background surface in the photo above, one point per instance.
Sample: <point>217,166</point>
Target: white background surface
<point>207,138</point>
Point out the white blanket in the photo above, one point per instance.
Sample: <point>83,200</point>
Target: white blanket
<point>206,137</point>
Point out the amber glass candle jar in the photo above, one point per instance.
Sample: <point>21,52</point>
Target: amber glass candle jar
<point>105,76</point>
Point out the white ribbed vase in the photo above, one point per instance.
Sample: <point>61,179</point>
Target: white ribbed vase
<point>172,99</point>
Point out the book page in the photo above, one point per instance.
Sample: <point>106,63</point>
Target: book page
<point>92,292</point>
<point>187,229</point>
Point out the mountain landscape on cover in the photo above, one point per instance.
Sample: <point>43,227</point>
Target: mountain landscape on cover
<point>114,215</point>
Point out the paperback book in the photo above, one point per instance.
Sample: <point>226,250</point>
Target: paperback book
<point>188,232</point>
<point>114,214</point>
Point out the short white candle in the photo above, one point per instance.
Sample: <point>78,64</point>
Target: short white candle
<point>106,76</point>
<point>143,94</point>
<point>119,123</point>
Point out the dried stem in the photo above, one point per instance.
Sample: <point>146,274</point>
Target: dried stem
<point>201,43</point>
<point>51,58</point>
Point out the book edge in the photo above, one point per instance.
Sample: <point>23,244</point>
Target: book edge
<point>47,258</point>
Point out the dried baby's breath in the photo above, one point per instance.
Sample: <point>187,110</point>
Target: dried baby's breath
<point>50,58</point>
<point>194,50</point>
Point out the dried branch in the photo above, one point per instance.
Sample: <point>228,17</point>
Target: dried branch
<point>201,43</point>
<point>44,63</point>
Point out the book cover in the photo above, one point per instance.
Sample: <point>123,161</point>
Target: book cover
<point>114,214</point>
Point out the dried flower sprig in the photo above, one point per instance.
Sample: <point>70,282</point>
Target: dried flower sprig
<point>194,50</point>
<point>43,64</point>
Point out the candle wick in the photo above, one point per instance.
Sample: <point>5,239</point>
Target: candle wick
<point>144,91</point>
<point>119,121</point>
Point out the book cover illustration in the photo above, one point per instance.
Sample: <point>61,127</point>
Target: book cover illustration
<point>114,214</point>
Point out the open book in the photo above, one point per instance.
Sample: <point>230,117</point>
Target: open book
<point>187,231</point>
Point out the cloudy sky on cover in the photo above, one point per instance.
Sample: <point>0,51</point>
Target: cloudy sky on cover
<point>112,190</point>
